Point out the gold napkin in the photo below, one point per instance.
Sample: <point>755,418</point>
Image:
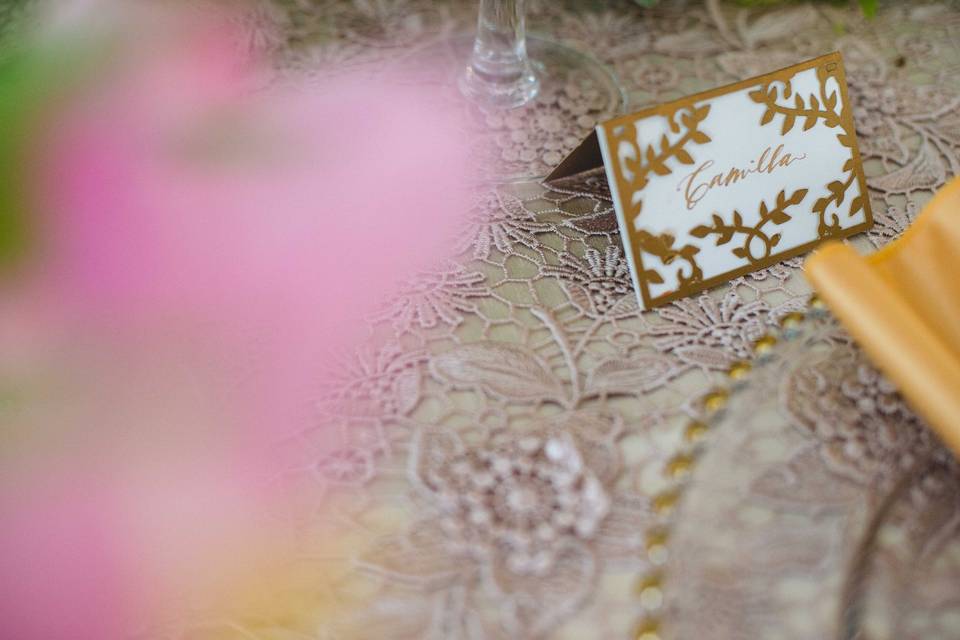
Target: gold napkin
<point>902,305</point>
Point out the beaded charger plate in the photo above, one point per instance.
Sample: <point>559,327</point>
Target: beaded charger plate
<point>822,507</point>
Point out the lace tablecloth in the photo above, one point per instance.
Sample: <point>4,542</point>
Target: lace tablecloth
<point>524,454</point>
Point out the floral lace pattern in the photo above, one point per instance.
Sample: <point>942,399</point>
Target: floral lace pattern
<point>867,432</point>
<point>537,137</point>
<point>518,516</point>
<point>442,296</point>
<point>597,285</point>
<point>709,333</point>
<point>514,413</point>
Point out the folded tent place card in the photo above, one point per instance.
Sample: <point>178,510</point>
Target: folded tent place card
<point>721,183</point>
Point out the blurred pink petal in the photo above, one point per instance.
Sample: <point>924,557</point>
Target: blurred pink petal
<point>204,249</point>
<point>65,567</point>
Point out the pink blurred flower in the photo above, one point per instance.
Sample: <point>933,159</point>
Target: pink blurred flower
<point>203,249</point>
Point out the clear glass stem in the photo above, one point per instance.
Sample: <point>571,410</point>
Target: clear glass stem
<point>499,73</point>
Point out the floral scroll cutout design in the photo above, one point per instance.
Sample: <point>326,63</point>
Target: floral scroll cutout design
<point>757,244</point>
<point>662,247</point>
<point>809,111</point>
<point>639,159</point>
<point>636,163</point>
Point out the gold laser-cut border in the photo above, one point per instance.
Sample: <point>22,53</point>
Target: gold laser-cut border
<point>623,128</point>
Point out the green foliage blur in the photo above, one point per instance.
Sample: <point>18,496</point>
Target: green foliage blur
<point>869,7</point>
<point>35,80</point>
<point>19,85</point>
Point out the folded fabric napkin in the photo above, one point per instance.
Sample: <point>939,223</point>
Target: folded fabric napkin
<point>902,304</point>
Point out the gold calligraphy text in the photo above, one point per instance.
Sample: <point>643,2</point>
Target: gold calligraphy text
<point>700,181</point>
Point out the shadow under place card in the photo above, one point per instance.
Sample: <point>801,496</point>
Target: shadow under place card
<point>728,181</point>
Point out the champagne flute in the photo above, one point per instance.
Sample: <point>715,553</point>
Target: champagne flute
<point>499,72</point>
<point>507,70</point>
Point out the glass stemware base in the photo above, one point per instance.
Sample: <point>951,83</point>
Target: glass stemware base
<point>568,95</point>
<point>501,91</point>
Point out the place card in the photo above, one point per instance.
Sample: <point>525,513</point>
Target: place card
<point>728,181</point>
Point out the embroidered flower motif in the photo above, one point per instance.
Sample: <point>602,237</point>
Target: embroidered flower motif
<point>890,221</point>
<point>873,101</point>
<point>598,284</point>
<point>519,498</point>
<point>376,382</point>
<point>340,452</point>
<point>528,511</point>
<point>889,111</point>
<point>434,297</point>
<point>348,466</point>
<point>500,221</point>
<point>654,77</point>
<point>866,431</point>
<point>708,333</point>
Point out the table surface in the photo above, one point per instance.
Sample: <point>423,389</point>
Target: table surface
<point>524,454</point>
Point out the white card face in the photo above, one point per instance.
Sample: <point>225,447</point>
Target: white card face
<point>718,184</point>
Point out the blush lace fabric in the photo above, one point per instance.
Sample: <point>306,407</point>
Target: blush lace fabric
<point>509,431</point>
